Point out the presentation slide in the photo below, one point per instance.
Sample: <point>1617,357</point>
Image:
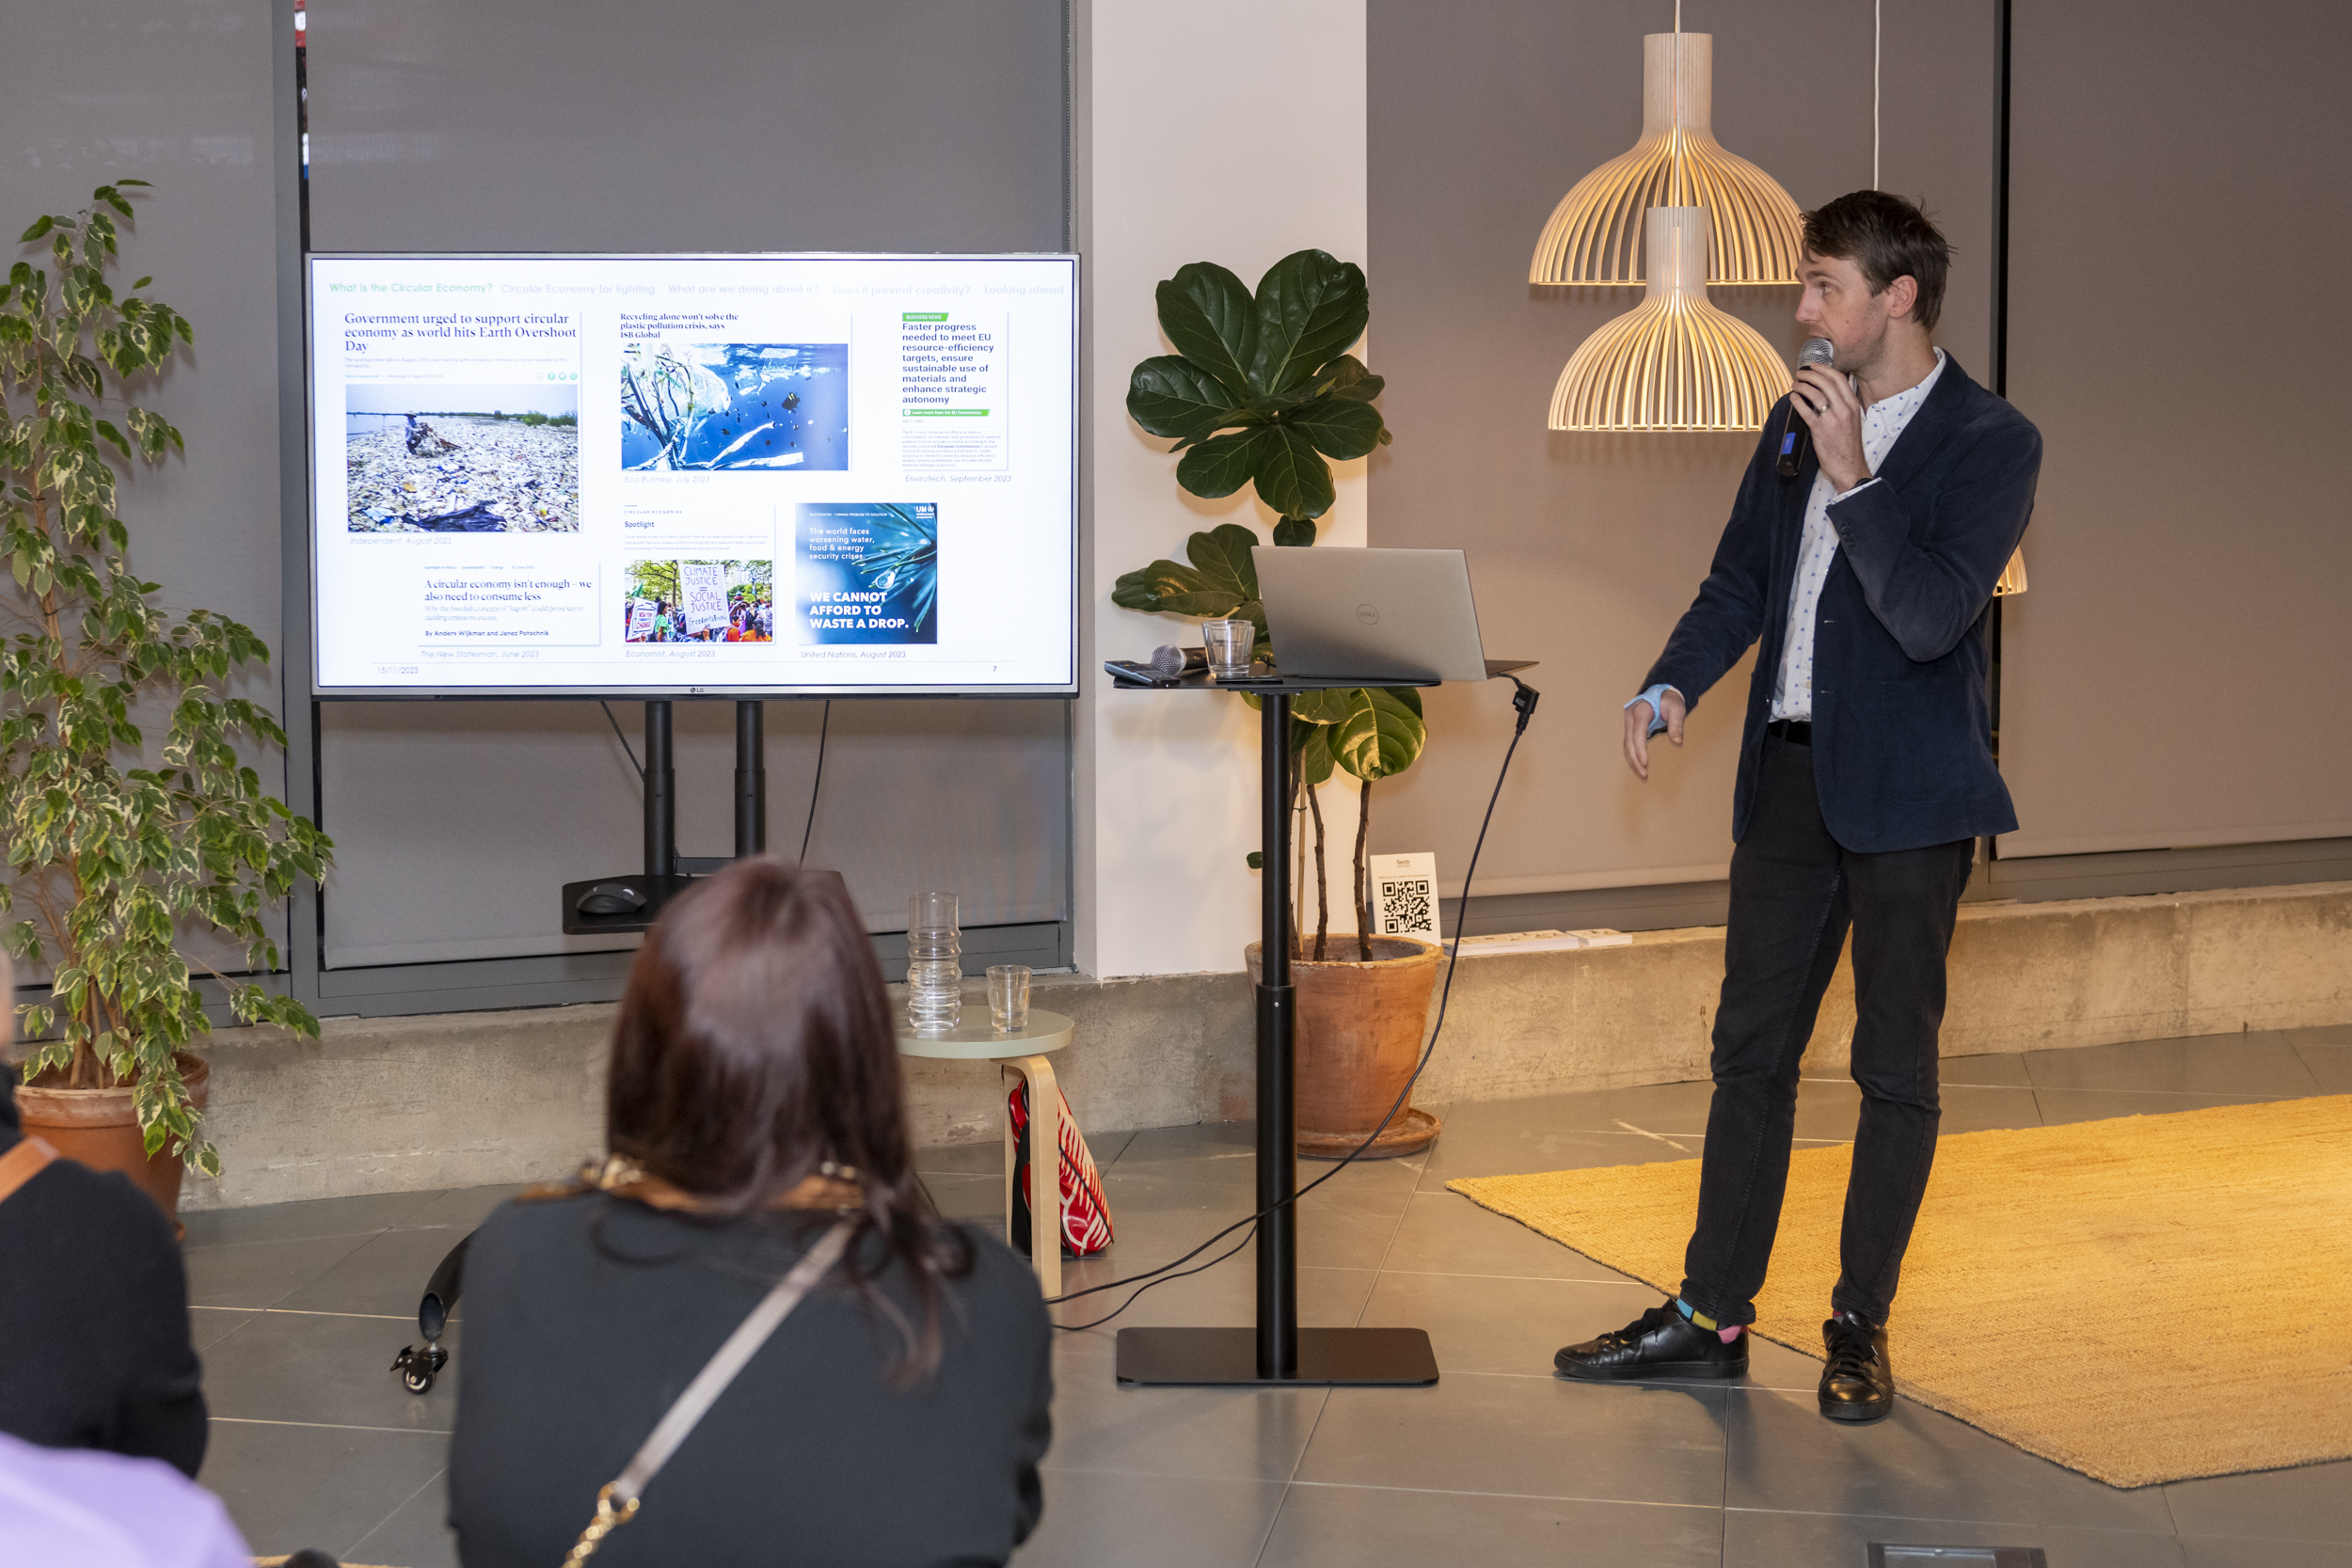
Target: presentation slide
<point>692,475</point>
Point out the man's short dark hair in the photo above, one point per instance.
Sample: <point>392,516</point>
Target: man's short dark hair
<point>1887,238</point>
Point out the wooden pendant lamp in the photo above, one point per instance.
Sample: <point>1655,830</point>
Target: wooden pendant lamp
<point>1596,233</point>
<point>2012,575</point>
<point>1672,213</point>
<point>1673,362</point>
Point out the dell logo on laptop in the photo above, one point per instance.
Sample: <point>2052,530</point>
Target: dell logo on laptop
<point>1367,615</point>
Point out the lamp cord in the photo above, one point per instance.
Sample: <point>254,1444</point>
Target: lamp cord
<point>1673,192</point>
<point>1523,701</point>
<point>1878,41</point>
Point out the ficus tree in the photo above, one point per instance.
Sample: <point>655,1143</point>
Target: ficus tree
<point>119,845</point>
<point>1262,391</point>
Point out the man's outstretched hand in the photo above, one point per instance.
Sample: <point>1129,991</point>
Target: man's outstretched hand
<point>1637,723</point>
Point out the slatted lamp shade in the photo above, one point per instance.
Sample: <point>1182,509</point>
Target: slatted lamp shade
<point>2012,575</point>
<point>1673,362</point>
<point>1595,235</point>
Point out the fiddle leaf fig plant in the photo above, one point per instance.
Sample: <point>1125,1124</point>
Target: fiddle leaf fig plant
<point>119,845</point>
<point>1221,582</point>
<point>1262,391</point>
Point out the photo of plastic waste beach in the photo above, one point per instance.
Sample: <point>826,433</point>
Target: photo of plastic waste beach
<point>762,406</point>
<point>423,458</point>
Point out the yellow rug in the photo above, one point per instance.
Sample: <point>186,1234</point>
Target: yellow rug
<point>2142,1300</point>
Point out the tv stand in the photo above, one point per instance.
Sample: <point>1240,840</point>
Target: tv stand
<point>667,872</point>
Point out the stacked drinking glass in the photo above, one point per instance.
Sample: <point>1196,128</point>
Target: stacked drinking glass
<point>934,964</point>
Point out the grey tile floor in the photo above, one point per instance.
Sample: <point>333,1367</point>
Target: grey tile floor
<point>299,1306</point>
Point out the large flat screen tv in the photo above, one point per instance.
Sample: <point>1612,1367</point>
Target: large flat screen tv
<point>692,475</point>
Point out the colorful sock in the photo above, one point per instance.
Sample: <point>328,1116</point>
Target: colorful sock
<point>1726,1334</point>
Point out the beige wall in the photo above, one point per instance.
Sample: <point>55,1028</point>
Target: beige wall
<point>1583,547</point>
<point>2181,673</point>
<point>1191,149</point>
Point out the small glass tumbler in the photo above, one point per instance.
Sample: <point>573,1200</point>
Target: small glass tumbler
<point>1230,645</point>
<point>1009,997</point>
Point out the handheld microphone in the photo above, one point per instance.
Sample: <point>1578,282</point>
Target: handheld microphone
<point>1795,432</point>
<point>1179,662</point>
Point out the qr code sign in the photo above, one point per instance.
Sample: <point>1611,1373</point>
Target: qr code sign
<point>1408,905</point>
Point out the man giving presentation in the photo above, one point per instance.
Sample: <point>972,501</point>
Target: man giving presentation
<point>1865,775</point>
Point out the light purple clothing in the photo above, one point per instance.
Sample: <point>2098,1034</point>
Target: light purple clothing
<point>105,1510</point>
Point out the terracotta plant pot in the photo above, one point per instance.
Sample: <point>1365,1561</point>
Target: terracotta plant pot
<point>100,1128</point>
<point>1359,1036</point>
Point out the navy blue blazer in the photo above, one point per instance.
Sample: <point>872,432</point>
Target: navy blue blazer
<point>1901,717</point>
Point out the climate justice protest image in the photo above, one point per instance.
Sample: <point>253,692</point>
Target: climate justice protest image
<point>716,406</point>
<point>431,458</point>
<point>699,601</point>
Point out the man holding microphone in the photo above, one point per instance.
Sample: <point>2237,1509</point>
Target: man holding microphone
<point>1866,776</point>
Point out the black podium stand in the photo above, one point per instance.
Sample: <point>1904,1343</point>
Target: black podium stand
<point>1277,1351</point>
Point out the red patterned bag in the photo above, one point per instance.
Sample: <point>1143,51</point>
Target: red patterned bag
<point>1086,1215</point>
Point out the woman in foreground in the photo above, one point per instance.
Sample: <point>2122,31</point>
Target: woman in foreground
<point>896,1417</point>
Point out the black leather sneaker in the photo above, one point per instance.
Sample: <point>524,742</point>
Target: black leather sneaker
<point>1858,1384</point>
<point>1662,1343</point>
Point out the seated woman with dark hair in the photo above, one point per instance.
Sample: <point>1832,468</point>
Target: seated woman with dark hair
<point>898,1416</point>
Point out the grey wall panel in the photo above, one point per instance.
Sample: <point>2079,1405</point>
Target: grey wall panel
<point>179,95</point>
<point>458,824</point>
<point>2179,672</point>
<point>738,125</point>
<point>535,126</point>
<point>953,795</point>
<point>1586,548</point>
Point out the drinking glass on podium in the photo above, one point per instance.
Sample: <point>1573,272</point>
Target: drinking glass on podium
<point>1230,646</point>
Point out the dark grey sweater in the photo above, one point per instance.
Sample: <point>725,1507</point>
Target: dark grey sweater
<point>94,1347</point>
<point>584,1317</point>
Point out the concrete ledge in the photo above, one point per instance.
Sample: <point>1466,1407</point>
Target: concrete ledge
<point>2022,977</point>
<point>404,1104</point>
<point>450,1100</point>
<point>455,1100</point>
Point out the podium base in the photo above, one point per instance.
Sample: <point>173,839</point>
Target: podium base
<point>1228,1357</point>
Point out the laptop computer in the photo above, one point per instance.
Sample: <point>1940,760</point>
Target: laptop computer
<point>1372,615</point>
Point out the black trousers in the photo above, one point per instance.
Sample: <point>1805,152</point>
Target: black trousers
<point>1794,892</point>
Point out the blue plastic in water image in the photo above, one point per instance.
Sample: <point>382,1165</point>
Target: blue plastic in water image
<point>765,407</point>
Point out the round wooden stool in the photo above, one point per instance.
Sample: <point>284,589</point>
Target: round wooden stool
<point>1018,1055</point>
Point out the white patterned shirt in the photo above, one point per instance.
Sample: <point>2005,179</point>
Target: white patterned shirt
<point>1881,423</point>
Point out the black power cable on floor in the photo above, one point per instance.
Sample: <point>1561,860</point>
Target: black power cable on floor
<point>824,727</point>
<point>1524,700</point>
